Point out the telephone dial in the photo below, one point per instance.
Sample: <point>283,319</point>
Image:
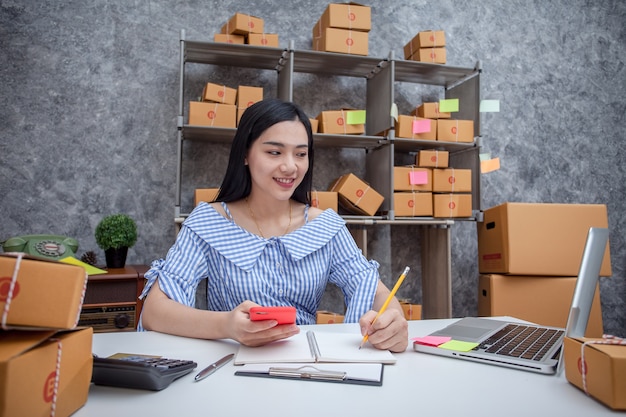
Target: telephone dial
<point>46,246</point>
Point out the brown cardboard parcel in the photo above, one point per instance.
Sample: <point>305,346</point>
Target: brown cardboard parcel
<point>604,369</point>
<point>324,200</point>
<point>430,110</point>
<point>538,238</point>
<point>212,114</point>
<point>336,121</point>
<point>413,204</point>
<point>342,41</point>
<point>347,16</point>
<point>432,159</point>
<point>328,317</point>
<point>541,300</point>
<point>452,205</point>
<point>242,24</point>
<point>406,128</point>
<point>263,39</point>
<point>424,39</point>
<point>44,373</point>
<point>356,196</point>
<point>219,93</point>
<point>431,55</point>
<point>41,294</point>
<point>455,130</point>
<point>411,178</point>
<point>452,180</point>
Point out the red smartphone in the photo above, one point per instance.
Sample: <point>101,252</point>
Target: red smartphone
<point>282,314</point>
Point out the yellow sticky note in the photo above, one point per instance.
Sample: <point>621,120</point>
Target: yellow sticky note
<point>355,117</point>
<point>458,345</point>
<point>489,165</point>
<point>91,270</point>
<point>450,105</point>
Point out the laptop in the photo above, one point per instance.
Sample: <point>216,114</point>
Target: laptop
<point>525,346</point>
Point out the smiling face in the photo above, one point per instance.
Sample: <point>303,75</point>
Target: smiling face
<point>278,160</point>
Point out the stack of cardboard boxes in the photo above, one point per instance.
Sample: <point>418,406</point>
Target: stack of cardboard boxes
<point>529,259</point>
<point>431,188</point>
<point>45,360</point>
<point>246,29</point>
<point>222,106</point>
<point>343,28</point>
<point>427,46</point>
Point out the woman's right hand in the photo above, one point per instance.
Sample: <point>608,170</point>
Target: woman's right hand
<point>256,333</point>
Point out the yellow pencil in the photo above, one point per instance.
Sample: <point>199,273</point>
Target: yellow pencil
<point>387,301</point>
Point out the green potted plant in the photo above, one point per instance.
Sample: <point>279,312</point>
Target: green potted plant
<point>115,234</point>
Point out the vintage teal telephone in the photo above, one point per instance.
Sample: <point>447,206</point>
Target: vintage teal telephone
<point>46,246</point>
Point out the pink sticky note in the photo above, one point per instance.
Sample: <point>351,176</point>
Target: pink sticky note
<point>432,340</point>
<point>418,177</point>
<point>421,126</point>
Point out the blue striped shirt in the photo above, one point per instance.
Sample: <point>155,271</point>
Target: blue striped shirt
<point>289,270</point>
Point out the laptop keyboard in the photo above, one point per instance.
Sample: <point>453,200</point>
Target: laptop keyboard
<point>526,342</point>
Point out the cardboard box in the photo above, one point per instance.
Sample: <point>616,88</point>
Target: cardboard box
<point>263,39</point>
<point>226,38</point>
<point>328,317</point>
<point>356,196</point>
<point>411,311</point>
<point>44,373</point>
<point>430,111</point>
<point>337,122</point>
<point>341,41</point>
<point>604,366</point>
<point>538,239</point>
<point>219,93</point>
<point>413,204</point>
<point>246,97</point>
<point>324,200</point>
<point>409,127</point>
<point>212,114</point>
<point>208,195</point>
<point>43,294</point>
<point>452,180</point>
<point>347,16</point>
<point>424,39</point>
<point>430,55</point>
<point>432,159</point>
<point>412,178</point>
<point>314,125</point>
<point>455,130</point>
<point>452,205</point>
<point>243,24</point>
<point>538,299</point>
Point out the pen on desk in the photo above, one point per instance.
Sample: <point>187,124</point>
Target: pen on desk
<point>387,301</point>
<point>213,367</point>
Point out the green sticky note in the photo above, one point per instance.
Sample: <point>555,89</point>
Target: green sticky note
<point>449,106</point>
<point>458,345</point>
<point>487,106</point>
<point>484,156</point>
<point>355,117</point>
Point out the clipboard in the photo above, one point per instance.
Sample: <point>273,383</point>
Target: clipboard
<point>342,373</point>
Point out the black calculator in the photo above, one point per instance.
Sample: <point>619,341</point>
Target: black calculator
<point>139,371</point>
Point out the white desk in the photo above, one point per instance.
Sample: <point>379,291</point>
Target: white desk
<point>419,384</point>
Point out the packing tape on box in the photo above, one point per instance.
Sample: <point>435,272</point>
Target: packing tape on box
<point>607,339</point>
<point>357,202</point>
<point>9,296</point>
<point>344,118</point>
<point>57,373</point>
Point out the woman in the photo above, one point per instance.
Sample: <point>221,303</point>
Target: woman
<point>261,243</point>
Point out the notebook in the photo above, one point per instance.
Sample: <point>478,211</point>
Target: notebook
<point>512,344</point>
<point>314,347</point>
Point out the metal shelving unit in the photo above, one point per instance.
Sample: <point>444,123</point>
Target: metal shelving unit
<point>381,77</point>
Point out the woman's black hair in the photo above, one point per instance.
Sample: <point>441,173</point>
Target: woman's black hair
<point>254,121</point>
